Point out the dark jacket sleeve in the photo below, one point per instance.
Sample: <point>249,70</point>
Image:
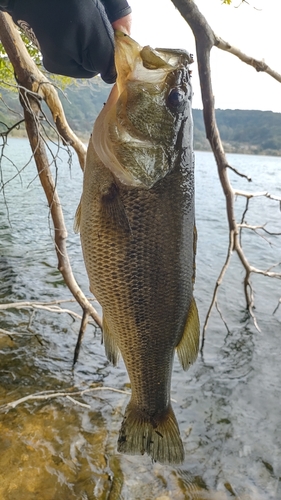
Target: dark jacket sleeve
<point>75,37</point>
<point>116,9</point>
<point>6,5</point>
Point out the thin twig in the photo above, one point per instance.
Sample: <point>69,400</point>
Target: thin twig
<point>78,402</point>
<point>218,283</point>
<point>83,326</point>
<point>34,305</point>
<point>277,307</point>
<point>12,127</point>
<point>10,334</point>
<point>249,195</point>
<point>222,318</point>
<point>255,230</point>
<point>245,176</point>
<point>45,395</point>
<point>251,61</point>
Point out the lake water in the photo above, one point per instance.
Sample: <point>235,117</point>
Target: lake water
<point>228,404</point>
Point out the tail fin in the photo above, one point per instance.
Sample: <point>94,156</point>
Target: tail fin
<point>157,436</point>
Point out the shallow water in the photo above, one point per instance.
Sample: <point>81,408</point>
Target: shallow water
<point>227,404</point>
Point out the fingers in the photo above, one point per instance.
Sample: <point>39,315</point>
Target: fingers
<point>124,24</point>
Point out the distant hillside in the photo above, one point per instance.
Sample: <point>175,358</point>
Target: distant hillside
<point>82,103</point>
<point>242,131</point>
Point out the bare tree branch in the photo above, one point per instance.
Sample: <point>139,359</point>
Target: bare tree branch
<point>258,65</point>
<point>9,129</point>
<point>83,326</point>
<point>248,195</point>
<point>245,176</point>
<point>33,88</point>
<point>205,40</point>
<point>215,293</point>
<point>46,395</point>
<point>277,307</point>
<point>49,187</point>
<point>43,306</point>
<point>28,74</point>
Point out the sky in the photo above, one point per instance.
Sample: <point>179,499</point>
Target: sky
<point>253,27</point>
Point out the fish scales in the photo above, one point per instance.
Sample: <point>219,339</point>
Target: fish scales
<point>138,246</point>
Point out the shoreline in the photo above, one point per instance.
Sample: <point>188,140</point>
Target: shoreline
<point>234,148</point>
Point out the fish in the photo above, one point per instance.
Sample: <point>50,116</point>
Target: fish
<point>137,228</point>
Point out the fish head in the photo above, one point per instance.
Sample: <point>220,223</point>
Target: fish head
<point>140,134</point>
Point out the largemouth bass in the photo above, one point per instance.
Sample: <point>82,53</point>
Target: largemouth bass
<point>136,220</point>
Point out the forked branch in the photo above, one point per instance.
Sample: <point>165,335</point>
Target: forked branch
<point>34,87</point>
<point>29,76</point>
<point>205,40</point>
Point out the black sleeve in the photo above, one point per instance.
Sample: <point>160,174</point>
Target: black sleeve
<point>116,9</point>
<point>75,36</point>
<point>6,5</point>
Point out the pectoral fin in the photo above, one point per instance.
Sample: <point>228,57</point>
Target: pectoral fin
<point>113,208</point>
<point>188,347</point>
<point>77,219</point>
<point>111,349</point>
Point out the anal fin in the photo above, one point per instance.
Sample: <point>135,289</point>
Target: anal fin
<point>188,347</point>
<point>111,348</point>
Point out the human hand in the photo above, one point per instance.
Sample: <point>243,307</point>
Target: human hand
<point>124,24</point>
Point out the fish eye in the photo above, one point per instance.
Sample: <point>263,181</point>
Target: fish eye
<point>176,97</point>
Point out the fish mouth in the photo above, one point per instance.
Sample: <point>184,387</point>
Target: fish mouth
<point>134,156</point>
<point>134,62</point>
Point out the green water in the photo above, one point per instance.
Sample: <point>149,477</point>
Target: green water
<point>227,404</point>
